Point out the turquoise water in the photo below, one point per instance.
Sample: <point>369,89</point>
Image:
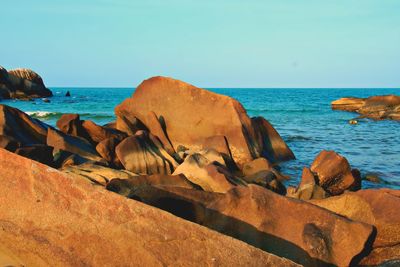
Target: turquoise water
<point>303,117</point>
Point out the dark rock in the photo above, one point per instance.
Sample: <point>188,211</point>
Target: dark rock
<point>68,94</point>
<point>40,153</point>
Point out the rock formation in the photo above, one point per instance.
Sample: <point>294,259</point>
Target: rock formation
<point>22,83</point>
<point>374,107</point>
<point>380,208</point>
<point>65,221</point>
<point>187,116</point>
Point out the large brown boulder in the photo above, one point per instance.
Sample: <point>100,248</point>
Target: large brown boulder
<point>143,153</point>
<point>380,208</point>
<point>297,230</point>
<point>19,129</point>
<point>73,144</point>
<point>189,116</point>
<point>106,150</point>
<point>334,174</point>
<point>374,107</point>
<point>48,218</point>
<point>308,187</point>
<point>22,83</point>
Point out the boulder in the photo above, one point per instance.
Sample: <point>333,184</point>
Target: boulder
<point>308,187</point>
<point>129,187</point>
<point>66,221</point>
<point>19,129</point>
<point>142,153</point>
<point>334,173</point>
<point>98,174</point>
<point>189,115</point>
<point>374,107</point>
<point>99,133</point>
<point>40,153</point>
<point>271,143</point>
<point>376,207</point>
<point>71,124</point>
<point>297,230</point>
<point>106,150</point>
<point>209,175</point>
<point>73,144</point>
<point>22,83</point>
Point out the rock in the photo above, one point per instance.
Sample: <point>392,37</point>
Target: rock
<point>46,100</point>
<point>106,150</point>
<point>376,207</point>
<point>272,145</point>
<point>189,115</point>
<point>308,187</point>
<point>142,153</point>
<point>72,125</point>
<point>73,144</point>
<point>22,84</point>
<point>66,221</point>
<point>297,230</point>
<point>40,153</point>
<point>129,187</point>
<point>96,173</point>
<point>63,159</point>
<point>255,166</point>
<point>68,94</point>
<point>374,107</point>
<point>99,133</point>
<point>130,127</point>
<point>334,173</point>
<point>209,175</point>
<point>19,129</point>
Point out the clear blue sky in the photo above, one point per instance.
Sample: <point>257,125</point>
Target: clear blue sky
<point>210,43</point>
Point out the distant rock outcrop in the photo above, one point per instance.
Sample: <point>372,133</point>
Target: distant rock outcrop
<point>22,84</point>
<point>374,107</point>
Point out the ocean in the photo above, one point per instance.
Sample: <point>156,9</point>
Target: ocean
<point>303,117</point>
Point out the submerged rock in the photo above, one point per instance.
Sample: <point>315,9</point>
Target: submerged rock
<point>374,107</point>
<point>22,84</point>
<point>60,220</point>
<point>188,116</point>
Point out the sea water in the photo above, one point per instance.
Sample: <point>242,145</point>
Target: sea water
<point>303,117</point>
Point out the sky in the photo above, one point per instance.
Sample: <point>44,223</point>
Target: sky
<point>209,43</point>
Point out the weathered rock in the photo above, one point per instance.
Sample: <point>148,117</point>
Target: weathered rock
<point>334,173</point>
<point>209,175</point>
<point>106,150</point>
<point>19,129</point>
<point>70,124</point>
<point>271,143</point>
<point>73,144</point>
<point>22,83</point>
<point>99,133</point>
<point>287,227</point>
<point>374,107</point>
<point>96,173</point>
<point>255,166</point>
<point>142,153</point>
<point>129,126</point>
<point>129,187</point>
<point>190,115</point>
<point>66,221</point>
<point>308,188</point>
<point>376,207</point>
<point>40,153</point>
<point>63,159</point>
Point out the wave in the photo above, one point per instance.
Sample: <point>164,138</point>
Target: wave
<point>44,114</point>
<point>48,115</point>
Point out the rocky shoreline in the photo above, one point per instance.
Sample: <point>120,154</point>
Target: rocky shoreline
<point>198,156</point>
<point>374,107</point>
